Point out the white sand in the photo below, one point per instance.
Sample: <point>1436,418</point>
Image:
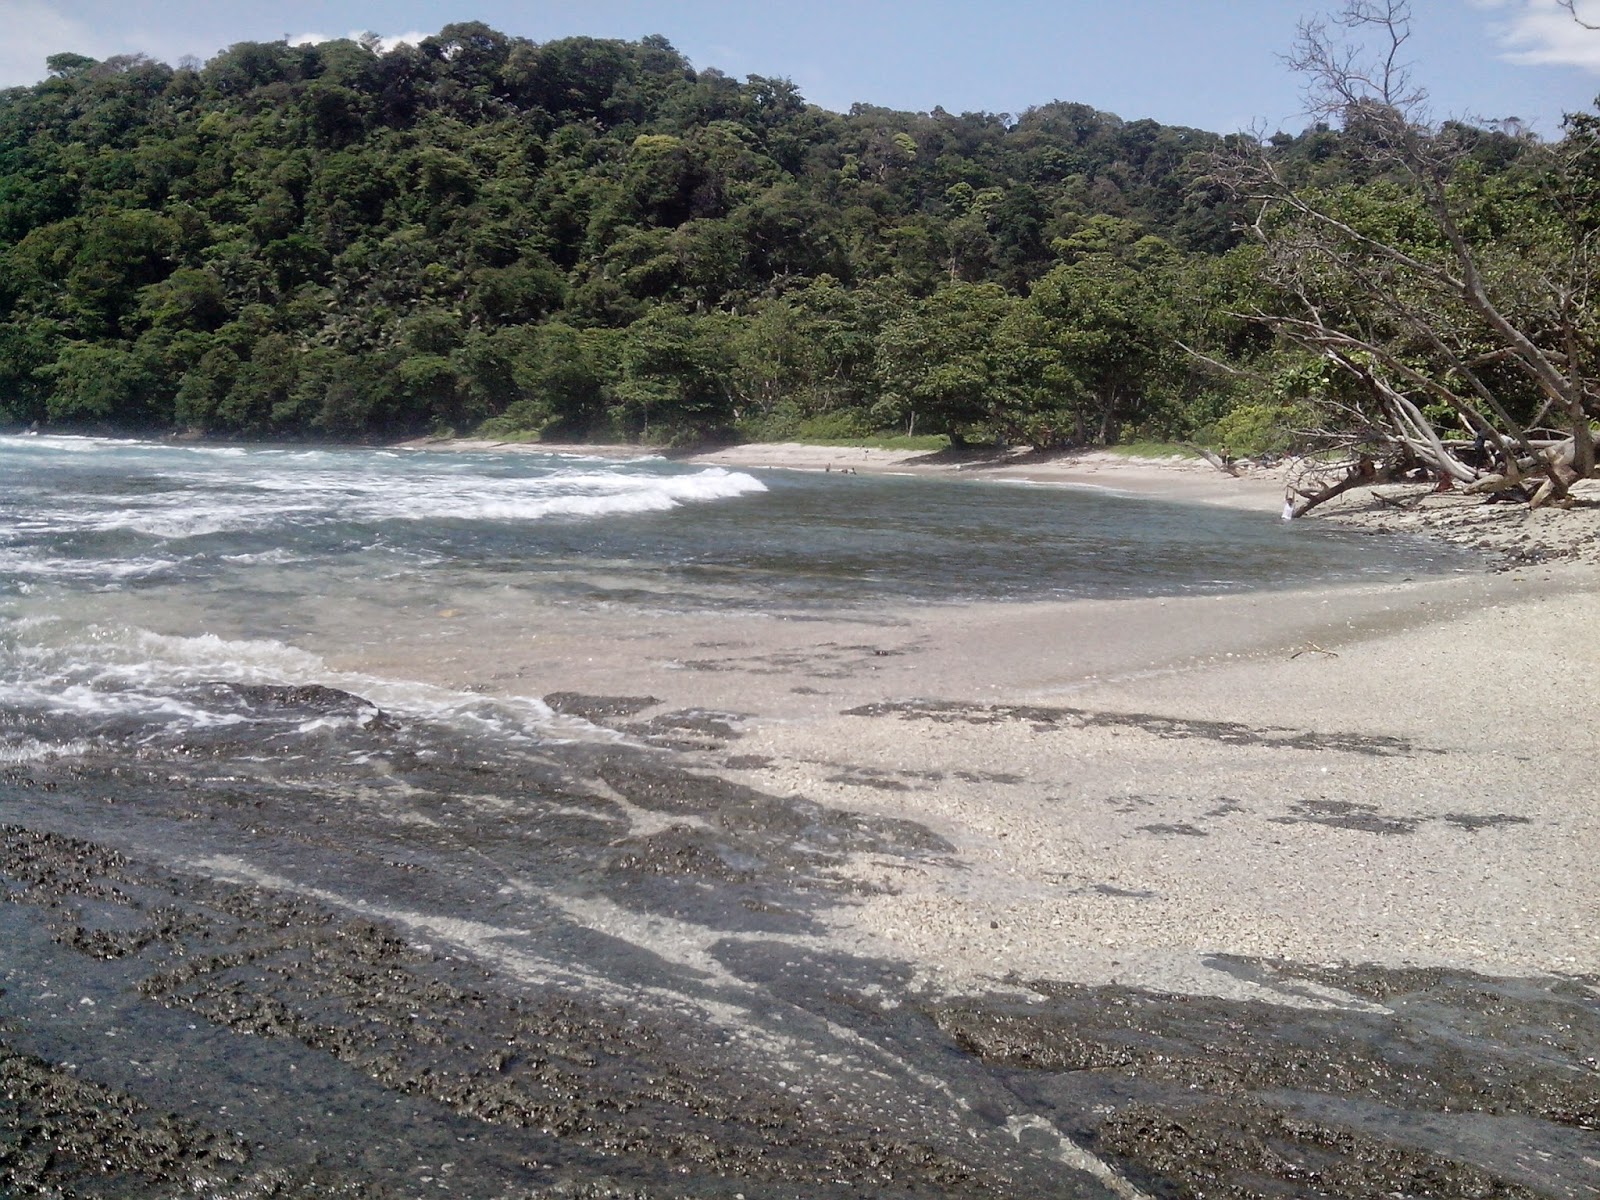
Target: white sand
<point>1400,774</point>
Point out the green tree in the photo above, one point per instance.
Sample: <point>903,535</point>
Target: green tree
<point>674,380</point>
<point>94,384</point>
<point>1113,335</point>
<point>938,364</point>
<point>560,380</point>
<point>205,387</point>
<point>27,350</point>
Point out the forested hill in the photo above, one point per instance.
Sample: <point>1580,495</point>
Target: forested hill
<point>592,238</point>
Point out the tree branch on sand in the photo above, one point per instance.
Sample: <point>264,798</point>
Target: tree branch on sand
<point>1444,297</point>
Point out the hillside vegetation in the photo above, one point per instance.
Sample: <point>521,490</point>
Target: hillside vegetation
<point>589,238</point>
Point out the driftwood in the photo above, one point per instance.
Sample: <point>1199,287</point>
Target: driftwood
<point>1554,462</point>
<point>1364,472</point>
<point>1544,477</point>
<point>1226,465</point>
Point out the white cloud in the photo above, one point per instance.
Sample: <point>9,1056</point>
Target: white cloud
<point>34,31</point>
<point>386,43</point>
<point>402,39</point>
<point>1542,33</point>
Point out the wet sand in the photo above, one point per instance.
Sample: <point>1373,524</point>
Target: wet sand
<point>1369,773</point>
<point>1133,785</point>
<point>1251,895</point>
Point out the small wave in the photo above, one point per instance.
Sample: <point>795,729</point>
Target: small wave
<point>98,674</point>
<point>94,701</point>
<point>589,495</point>
<point>142,658</point>
<point>450,496</point>
<point>177,526</point>
<point>27,750</point>
<point>94,569</point>
<point>566,456</point>
<point>173,516</point>
<point>202,506</point>
<point>272,558</point>
<point>68,443</point>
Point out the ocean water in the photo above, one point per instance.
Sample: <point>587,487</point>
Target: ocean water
<point>86,514</point>
<point>120,560</point>
<point>299,905</point>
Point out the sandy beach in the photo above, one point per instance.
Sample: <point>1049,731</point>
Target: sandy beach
<point>1385,774</point>
<point>1189,838</point>
<point>481,890</point>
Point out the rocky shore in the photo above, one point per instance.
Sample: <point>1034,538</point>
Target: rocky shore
<point>1250,895</point>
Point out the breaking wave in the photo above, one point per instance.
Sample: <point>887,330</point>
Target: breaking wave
<point>87,683</point>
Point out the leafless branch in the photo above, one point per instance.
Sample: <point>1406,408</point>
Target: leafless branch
<point>1439,314</point>
<point>1572,8</point>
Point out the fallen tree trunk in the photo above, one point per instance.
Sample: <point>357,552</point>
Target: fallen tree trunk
<point>1555,462</point>
<point>1364,472</point>
<point>1226,466</point>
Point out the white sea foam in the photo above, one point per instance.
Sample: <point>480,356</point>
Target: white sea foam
<point>564,493</point>
<point>173,658</point>
<point>176,526</point>
<point>570,457</point>
<point>16,563</point>
<point>98,673</point>
<point>316,488</point>
<point>275,558</point>
<point>29,749</point>
<point>96,702</point>
<point>36,442</point>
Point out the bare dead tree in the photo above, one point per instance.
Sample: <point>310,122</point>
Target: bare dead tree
<point>1572,8</point>
<point>1406,285</point>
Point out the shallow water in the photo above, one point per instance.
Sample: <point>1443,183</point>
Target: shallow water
<point>86,513</point>
<point>129,570</point>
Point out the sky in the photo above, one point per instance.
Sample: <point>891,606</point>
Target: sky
<point>1211,64</point>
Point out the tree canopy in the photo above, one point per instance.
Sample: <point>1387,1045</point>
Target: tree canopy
<point>593,238</point>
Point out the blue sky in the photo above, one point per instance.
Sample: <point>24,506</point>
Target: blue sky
<point>1214,64</point>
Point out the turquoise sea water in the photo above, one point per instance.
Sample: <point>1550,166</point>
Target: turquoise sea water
<point>98,514</point>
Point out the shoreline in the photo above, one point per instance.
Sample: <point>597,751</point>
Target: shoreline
<point>1105,769</point>
<point>1509,533</point>
<point>1335,739</point>
<point>976,899</point>
<point>1175,478</point>
<point>1277,669</point>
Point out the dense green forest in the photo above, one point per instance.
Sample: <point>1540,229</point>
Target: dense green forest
<point>593,239</point>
